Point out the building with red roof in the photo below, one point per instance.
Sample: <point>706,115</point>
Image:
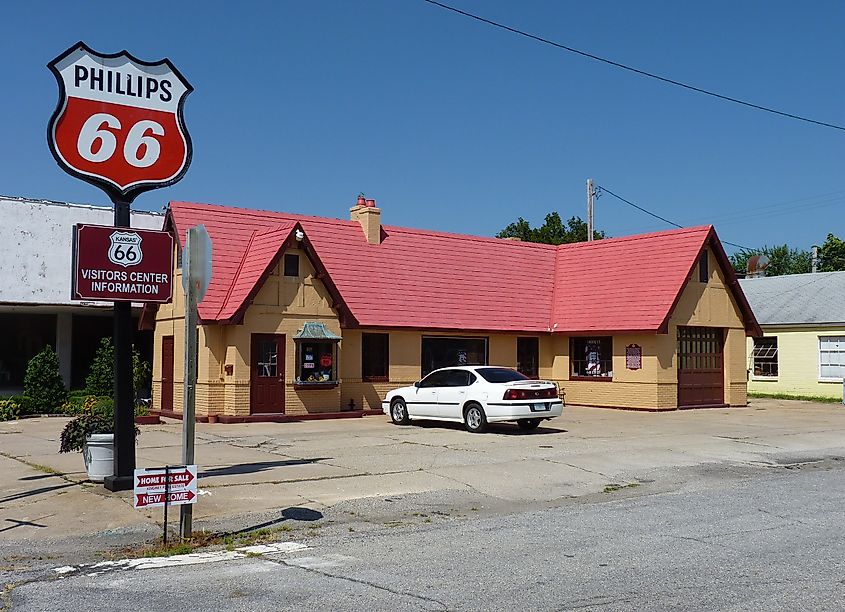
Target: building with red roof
<point>316,316</point>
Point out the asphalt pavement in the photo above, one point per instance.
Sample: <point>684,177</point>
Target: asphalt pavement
<point>751,539</point>
<point>734,508</point>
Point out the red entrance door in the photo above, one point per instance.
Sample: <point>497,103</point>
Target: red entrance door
<point>267,378</point>
<point>167,373</point>
<point>701,372</point>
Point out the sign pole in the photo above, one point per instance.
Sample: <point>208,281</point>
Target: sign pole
<point>124,409</point>
<point>166,497</point>
<point>189,395</point>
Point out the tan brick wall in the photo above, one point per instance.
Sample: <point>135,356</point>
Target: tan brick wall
<point>284,304</point>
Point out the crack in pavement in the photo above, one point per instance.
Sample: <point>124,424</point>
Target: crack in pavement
<point>360,581</point>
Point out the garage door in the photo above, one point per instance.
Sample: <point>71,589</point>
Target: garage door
<point>701,373</point>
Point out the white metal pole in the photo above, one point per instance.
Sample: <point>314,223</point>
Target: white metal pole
<point>590,210</point>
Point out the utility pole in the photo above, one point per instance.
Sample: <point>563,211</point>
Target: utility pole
<point>590,195</point>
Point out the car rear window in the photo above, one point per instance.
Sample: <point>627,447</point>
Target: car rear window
<point>500,375</point>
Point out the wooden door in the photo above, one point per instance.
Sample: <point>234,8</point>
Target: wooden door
<point>267,378</point>
<point>701,372</point>
<point>167,373</point>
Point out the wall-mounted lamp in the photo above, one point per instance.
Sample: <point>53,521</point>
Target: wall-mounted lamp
<point>229,369</point>
<point>299,235</point>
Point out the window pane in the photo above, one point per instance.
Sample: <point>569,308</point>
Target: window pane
<point>316,361</point>
<point>268,358</point>
<point>291,264</point>
<point>441,352</point>
<point>499,375</point>
<point>374,356</point>
<point>592,357</point>
<point>528,356</point>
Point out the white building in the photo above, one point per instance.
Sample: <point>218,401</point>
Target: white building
<point>35,289</point>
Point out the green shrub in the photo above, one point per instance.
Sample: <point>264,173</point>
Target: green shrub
<point>43,382</point>
<point>104,407</point>
<point>26,404</point>
<point>9,410</point>
<point>100,380</point>
<point>77,393</point>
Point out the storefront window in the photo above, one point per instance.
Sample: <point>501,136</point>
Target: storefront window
<point>528,356</point>
<point>592,357</point>
<point>441,352</point>
<point>316,362</point>
<point>374,357</point>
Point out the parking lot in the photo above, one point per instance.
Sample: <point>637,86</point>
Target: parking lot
<point>247,469</point>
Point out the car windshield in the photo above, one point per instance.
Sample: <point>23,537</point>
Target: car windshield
<point>500,375</point>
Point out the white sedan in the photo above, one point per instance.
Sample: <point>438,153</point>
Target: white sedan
<point>475,396</point>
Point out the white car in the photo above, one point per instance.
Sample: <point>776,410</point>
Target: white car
<point>475,396</point>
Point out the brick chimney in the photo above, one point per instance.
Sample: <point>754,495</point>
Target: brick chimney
<point>366,213</point>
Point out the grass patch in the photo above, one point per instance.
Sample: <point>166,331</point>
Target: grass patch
<point>614,487</point>
<point>161,550</point>
<point>788,396</point>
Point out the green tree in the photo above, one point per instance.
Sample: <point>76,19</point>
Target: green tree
<point>43,382</point>
<point>553,230</point>
<point>782,260</point>
<point>832,255</point>
<point>100,380</point>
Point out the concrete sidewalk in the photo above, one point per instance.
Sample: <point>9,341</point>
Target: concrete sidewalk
<point>262,467</point>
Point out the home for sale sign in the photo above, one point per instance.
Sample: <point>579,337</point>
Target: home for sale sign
<point>119,123</point>
<point>177,485</point>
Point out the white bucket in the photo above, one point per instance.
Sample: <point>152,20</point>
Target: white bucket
<point>99,456</point>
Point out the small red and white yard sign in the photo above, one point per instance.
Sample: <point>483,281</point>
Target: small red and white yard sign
<point>119,122</point>
<point>151,485</point>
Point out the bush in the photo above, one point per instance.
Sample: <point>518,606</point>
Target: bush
<point>25,403</point>
<point>43,383</point>
<point>9,410</point>
<point>100,380</point>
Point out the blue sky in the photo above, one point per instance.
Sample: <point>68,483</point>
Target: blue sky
<point>453,125</point>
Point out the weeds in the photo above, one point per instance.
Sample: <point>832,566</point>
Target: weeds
<point>788,396</point>
<point>614,487</point>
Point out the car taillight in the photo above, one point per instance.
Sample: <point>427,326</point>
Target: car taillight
<point>529,394</point>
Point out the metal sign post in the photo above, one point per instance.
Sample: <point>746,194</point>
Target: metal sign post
<point>118,125</point>
<point>196,276</point>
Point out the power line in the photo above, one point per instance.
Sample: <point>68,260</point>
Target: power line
<point>644,73</point>
<point>656,216</point>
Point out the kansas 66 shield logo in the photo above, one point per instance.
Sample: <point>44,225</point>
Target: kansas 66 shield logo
<point>118,123</point>
<point>125,249</point>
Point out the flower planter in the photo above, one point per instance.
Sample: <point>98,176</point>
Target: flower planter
<point>98,453</point>
<point>212,418</point>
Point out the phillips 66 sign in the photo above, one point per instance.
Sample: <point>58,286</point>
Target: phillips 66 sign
<point>118,123</point>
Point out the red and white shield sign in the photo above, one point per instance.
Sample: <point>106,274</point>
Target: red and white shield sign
<point>119,123</point>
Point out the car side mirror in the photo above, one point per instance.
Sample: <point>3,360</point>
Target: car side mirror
<point>417,384</point>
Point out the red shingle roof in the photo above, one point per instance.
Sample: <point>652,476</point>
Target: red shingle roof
<point>435,280</point>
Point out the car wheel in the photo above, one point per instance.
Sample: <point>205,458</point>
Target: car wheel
<point>528,424</point>
<point>399,412</point>
<point>475,419</point>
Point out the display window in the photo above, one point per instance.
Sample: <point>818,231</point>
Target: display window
<point>316,361</point>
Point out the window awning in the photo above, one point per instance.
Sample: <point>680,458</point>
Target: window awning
<point>315,331</point>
